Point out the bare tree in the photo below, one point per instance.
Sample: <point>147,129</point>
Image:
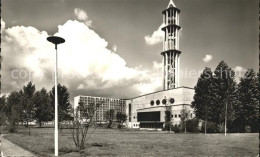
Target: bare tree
<point>83,121</point>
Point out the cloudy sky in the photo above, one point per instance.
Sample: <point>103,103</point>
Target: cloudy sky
<point>113,47</point>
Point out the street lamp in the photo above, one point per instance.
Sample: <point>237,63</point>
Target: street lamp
<point>226,106</point>
<point>56,40</point>
<point>226,119</point>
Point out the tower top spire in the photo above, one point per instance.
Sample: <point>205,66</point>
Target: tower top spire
<point>171,4</point>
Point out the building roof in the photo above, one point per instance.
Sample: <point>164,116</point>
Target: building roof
<point>158,92</point>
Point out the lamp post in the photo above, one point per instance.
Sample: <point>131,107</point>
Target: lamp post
<point>226,106</point>
<point>226,119</point>
<point>56,40</point>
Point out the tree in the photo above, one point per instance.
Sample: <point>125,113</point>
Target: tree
<point>121,118</point>
<point>43,108</point>
<point>14,110</point>
<point>167,118</point>
<point>83,121</point>
<point>224,96</point>
<point>110,116</point>
<point>64,105</point>
<point>168,114</point>
<point>184,117</point>
<point>27,103</point>
<point>203,96</point>
<point>2,111</point>
<point>192,125</point>
<point>2,103</point>
<point>247,108</point>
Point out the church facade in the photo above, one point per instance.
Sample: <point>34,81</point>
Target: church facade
<point>148,111</point>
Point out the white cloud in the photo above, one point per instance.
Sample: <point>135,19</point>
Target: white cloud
<point>154,83</point>
<point>207,58</point>
<point>82,16</point>
<point>156,37</point>
<point>157,65</point>
<point>81,86</point>
<point>86,65</point>
<point>114,48</point>
<point>2,25</point>
<point>239,71</point>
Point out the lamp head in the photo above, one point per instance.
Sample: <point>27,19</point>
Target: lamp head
<point>56,40</point>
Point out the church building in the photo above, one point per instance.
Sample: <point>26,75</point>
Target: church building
<point>148,111</point>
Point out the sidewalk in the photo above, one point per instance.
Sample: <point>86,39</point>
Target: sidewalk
<point>12,150</point>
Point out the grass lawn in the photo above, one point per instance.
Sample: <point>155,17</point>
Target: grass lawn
<point>140,143</point>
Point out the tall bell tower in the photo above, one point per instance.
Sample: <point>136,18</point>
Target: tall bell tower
<point>171,52</point>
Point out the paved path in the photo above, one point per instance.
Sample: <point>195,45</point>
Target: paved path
<point>10,149</point>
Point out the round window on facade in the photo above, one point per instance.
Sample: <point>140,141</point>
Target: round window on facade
<point>157,102</point>
<point>172,100</point>
<point>152,102</point>
<point>164,101</point>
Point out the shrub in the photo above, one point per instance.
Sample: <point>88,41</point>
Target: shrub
<point>211,127</point>
<point>2,119</point>
<point>192,125</point>
<point>176,129</point>
<point>220,128</point>
<point>167,126</point>
<point>11,128</point>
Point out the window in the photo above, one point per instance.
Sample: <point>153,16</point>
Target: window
<point>152,103</point>
<point>157,102</point>
<point>176,116</point>
<point>148,116</point>
<point>172,100</point>
<point>164,101</point>
<point>172,116</point>
<point>179,116</point>
<point>129,112</point>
